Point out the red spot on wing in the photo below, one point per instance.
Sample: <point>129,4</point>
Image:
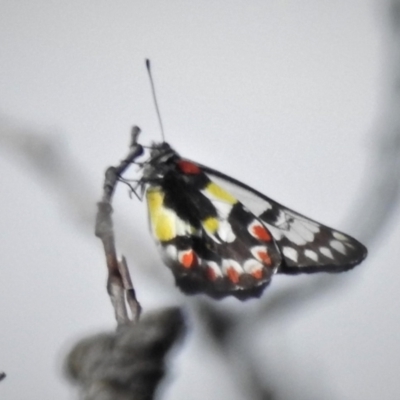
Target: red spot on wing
<point>211,274</point>
<point>264,257</point>
<point>188,259</point>
<point>257,273</point>
<point>233,275</point>
<point>261,233</point>
<point>188,168</point>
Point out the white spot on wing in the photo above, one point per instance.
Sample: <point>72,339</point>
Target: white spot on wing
<point>340,236</point>
<point>215,267</point>
<point>311,226</point>
<point>302,229</point>
<point>294,237</point>
<point>291,253</point>
<point>182,228</point>
<point>326,252</point>
<point>312,255</point>
<point>338,246</point>
<point>171,252</point>
<point>225,232</point>
<point>252,265</point>
<point>223,208</point>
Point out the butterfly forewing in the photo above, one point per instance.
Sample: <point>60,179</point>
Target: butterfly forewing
<point>306,245</point>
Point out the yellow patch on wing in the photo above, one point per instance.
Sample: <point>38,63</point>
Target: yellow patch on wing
<point>162,220</point>
<point>220,194</point>
<point>211,224</point>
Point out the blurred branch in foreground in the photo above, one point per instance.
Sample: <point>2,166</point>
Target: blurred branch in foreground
<point>129,363</point>
<point>380,197</point>
<point>48,157</point>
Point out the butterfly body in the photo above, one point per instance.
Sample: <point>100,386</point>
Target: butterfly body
<point>220,243</point>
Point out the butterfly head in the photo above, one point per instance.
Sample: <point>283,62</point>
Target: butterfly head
<point>157,164</point>
<point>161,152</point>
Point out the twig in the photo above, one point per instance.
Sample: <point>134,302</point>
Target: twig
<point>119,284</point>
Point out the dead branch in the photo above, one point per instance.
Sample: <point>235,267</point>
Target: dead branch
<point>119,284</point>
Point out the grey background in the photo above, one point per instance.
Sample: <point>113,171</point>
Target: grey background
<point>290,97</point>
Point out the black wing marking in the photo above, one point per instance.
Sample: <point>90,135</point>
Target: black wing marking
<point>306,245</point>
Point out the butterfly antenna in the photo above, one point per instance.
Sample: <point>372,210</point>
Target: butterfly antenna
<point>153,90</point>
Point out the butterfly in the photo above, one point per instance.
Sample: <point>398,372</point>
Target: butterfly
<point>223,238</point>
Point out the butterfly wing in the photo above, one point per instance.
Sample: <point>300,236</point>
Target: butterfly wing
<point>211,242</point>
<point>306,245</point>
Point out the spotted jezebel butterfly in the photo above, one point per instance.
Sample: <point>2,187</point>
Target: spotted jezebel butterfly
<point>223,238</point>
<point>221,243</point>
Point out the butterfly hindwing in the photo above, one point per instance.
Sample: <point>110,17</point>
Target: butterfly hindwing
<point>212,243</point>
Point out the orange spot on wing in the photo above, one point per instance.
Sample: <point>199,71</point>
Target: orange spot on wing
<point>211,274</point>
<point>261,233</point>
<point>233,275</point>
<point>257,273</point>
<point>188,168</point>
<point>264,257</point>
<point>189,259</point>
